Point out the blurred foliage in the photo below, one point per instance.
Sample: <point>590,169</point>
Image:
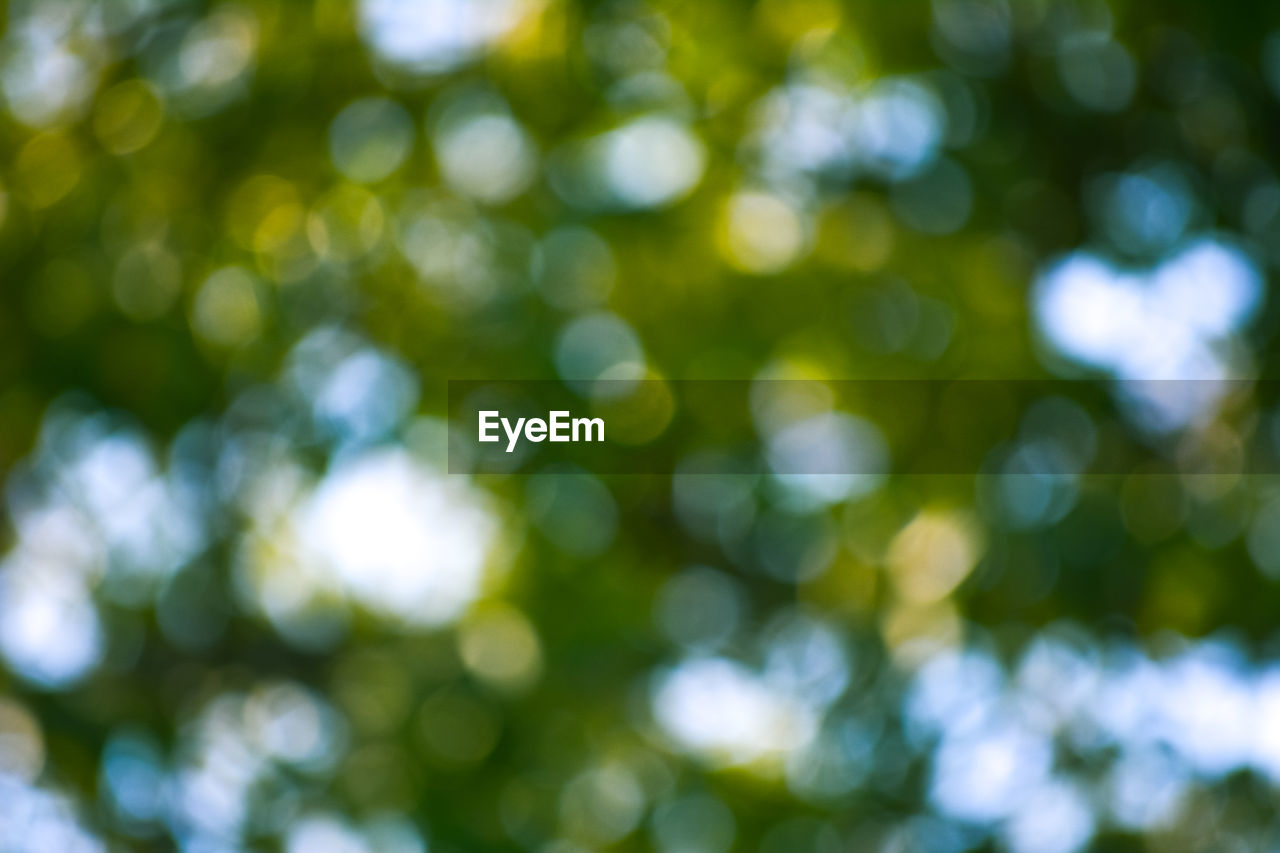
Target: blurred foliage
<point>246,245</point>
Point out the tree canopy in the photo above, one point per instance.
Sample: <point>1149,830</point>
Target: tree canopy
<point>252,597</point>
